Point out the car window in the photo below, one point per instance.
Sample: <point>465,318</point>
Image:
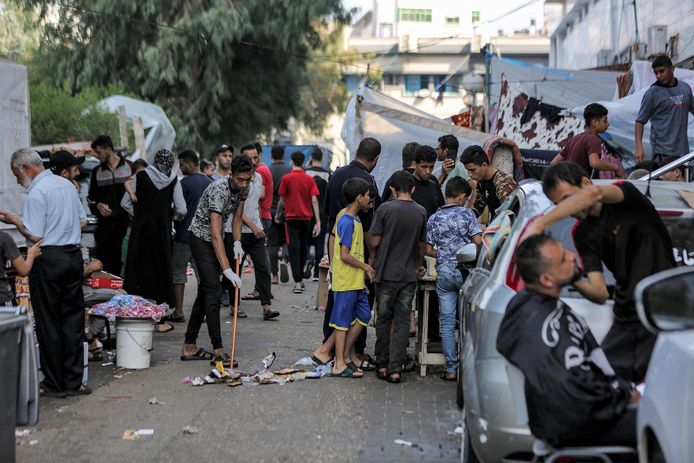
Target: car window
<point>681,231</point>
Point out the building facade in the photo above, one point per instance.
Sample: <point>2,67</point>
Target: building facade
<point>601,33</point>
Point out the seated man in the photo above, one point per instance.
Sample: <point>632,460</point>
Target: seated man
<point>572,394</point>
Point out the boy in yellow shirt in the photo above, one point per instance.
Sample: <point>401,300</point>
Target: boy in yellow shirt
<point>351,310</point>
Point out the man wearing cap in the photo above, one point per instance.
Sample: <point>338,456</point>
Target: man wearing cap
<point>66,165</point>
<point>53,215</point>
<point>106,189</point>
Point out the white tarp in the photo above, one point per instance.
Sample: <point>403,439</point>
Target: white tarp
<point>622,112</point>
<point>14,131</point>
<point>393,123</point>
<point>161,134</point>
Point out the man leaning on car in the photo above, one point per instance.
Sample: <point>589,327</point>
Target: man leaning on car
<point>573,396</point>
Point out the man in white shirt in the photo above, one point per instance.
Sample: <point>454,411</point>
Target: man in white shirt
<point>53,215</point>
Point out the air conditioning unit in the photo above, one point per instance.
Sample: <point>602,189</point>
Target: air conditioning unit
<point>604,58</point>
<point>657,39</point>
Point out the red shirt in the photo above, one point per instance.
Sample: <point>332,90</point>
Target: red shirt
<point>298,188</point>
<point>266,202</point>
<point>580,147</point>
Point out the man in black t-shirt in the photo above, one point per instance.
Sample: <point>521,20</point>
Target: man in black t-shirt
<point>427,191</point>
<point>321,176</point>
<point>620,228</point>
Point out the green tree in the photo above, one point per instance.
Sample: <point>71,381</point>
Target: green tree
<point>19,34</point>
<point>224,70</point>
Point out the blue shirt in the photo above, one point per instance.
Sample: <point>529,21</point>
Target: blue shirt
<point>53,210</point>
<point>449,229</point>
<point>193,186</point>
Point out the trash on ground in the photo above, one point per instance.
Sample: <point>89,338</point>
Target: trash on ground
<point>187,379</point>
<point>33,442</point>
<point>405,442</point>
<point>118,376</point>
<point>408,412</point>
<point>106,364</point>
<point>119,397</point>
<point>305,361</point>
<point>190,430</point>
<point>197,381</point>
<point>22,432</point>
<point>287,371</point>
<point>269,360</point>
<point>155,401</point>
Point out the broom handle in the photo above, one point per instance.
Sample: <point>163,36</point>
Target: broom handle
<point>236,311</point>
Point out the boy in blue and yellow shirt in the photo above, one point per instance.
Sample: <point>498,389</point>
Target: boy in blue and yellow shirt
<point>351,310</point>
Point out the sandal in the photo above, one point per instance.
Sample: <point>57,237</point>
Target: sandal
<point>382,374</point>
<point>270,314</point>
<point>318,361</point>
<point>170,328</point>
<point>180,319</point>
<point>201,354</point>
<point>354,367</point>
<point>410,365</point>
<point>394,377</point>
<point>348,373</point>
<point>225,359</point>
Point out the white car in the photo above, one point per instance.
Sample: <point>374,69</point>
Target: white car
<point>665,424</point>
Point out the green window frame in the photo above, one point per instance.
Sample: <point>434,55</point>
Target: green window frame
<point>417,15</point>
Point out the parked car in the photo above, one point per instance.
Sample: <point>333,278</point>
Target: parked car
<point>491,433</point>
<point>665,302</point>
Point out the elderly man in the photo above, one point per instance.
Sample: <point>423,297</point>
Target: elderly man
<point>53,213</point>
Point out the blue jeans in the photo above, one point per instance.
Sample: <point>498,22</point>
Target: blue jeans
<point>448,284</point>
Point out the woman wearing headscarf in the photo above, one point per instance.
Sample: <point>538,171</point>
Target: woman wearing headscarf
<point>148,270</point>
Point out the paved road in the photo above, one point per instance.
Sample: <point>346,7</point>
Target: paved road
<point>329,419</point>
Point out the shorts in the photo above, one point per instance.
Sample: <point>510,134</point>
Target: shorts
<point>180,258</point>
<point>350,307</point>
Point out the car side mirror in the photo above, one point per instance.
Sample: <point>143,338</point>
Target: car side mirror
<point>665,301</point>
<point>467,254</point>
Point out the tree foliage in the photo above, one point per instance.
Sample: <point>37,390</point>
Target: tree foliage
<point>224,70</point>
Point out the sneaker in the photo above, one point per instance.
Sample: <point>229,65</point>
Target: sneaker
<point>303,286</point>
<point>275,280</point>
<point>284,272</point>
<point>308,271</point>
<point>225,298</point>
<point>315,279</point>
<point>83,390</point>
<point>298,288</point>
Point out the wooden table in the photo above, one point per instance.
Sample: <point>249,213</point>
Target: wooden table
<point>322,296</point>
<point>427,285</point>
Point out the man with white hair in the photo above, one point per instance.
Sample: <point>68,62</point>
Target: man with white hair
<point>53,214</point>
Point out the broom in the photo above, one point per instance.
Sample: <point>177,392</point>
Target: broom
<point>236,311</point>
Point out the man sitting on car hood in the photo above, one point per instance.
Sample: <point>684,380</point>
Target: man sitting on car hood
<point>572,393</point>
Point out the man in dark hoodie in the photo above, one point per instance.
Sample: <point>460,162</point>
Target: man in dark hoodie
<point>572,393</point>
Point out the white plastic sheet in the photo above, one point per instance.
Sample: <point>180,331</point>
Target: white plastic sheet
<point>393,123</point>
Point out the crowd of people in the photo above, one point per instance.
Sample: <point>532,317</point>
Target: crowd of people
<point>151,226</point>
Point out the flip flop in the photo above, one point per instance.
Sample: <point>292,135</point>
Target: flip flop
<point>180,319</point>
<point>201,354</point>
<point>171,328</point>
<point>318,361</point>
<point>347,373</point>
<point>354,367</point>
<point>390,377</point>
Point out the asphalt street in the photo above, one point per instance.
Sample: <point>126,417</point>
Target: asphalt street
<point>327,419</point>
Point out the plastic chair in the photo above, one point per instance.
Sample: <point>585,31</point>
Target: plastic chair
<point>543,451</point>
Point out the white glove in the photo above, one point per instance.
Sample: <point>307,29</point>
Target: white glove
<point>234,278</point>
<point>238,251</point>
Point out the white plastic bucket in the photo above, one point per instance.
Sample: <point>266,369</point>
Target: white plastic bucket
<point>133,343</point>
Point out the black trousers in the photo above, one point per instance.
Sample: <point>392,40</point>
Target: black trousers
<point>299,238</point>
<point>58,302</point>
<point>628,346</point>
<point>318,243</point>
<point>621,431</point>
<point>393,323</point>
<point>207,303</point>
<point>255,248</point>
<point>276,238</point>
<point>109,236</point>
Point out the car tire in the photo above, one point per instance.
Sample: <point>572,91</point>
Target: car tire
<point>467,453</point>
<point>657,455</point>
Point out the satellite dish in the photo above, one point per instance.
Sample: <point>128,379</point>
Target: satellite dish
<point>473,83</point>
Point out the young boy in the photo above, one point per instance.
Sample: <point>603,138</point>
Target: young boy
<point>351,310</point>
<point>398,233</point>
<point>9,252</point>
<point>452,227</point>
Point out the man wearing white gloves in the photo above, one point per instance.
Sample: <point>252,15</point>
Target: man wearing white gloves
<point>223,198</point>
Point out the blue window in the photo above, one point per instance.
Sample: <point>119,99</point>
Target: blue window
<point>412,84</point>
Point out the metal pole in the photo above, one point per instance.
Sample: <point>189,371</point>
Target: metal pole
<point>669,167</point>
<point>636,28</point>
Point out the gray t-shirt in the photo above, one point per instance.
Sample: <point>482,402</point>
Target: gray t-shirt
<point>402,226</point>
<point>667,108</point>
<point>8,253</point>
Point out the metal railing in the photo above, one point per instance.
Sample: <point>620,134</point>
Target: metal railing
<point>669,167</point>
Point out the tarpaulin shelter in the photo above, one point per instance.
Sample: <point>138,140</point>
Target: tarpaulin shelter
<point>161,134</point>
<point>14,131</point>
<point>393,123</point>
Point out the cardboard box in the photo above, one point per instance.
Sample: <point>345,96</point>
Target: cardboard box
<point>104,280</point>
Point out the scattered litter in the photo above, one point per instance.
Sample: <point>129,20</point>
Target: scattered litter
<point>458,430</point>
<point>155,401</point>
<point>228,322</point>
<point>408,412</point>
<point>197,381</point>
<point>119,397</point>
<point>324,370</point>
<point>190,430</point>
<point>287,371</point>
<point>61,409</point>
<point>132,434</point>
<point>33,442</point>
<point>405,442</point>
<point>107,364</point>
<point>118,376</point>
<point>269,360</point>
<point>187,379</point>
<point>297,307</point>
<point>22,432</point>
<point>306,361</point>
